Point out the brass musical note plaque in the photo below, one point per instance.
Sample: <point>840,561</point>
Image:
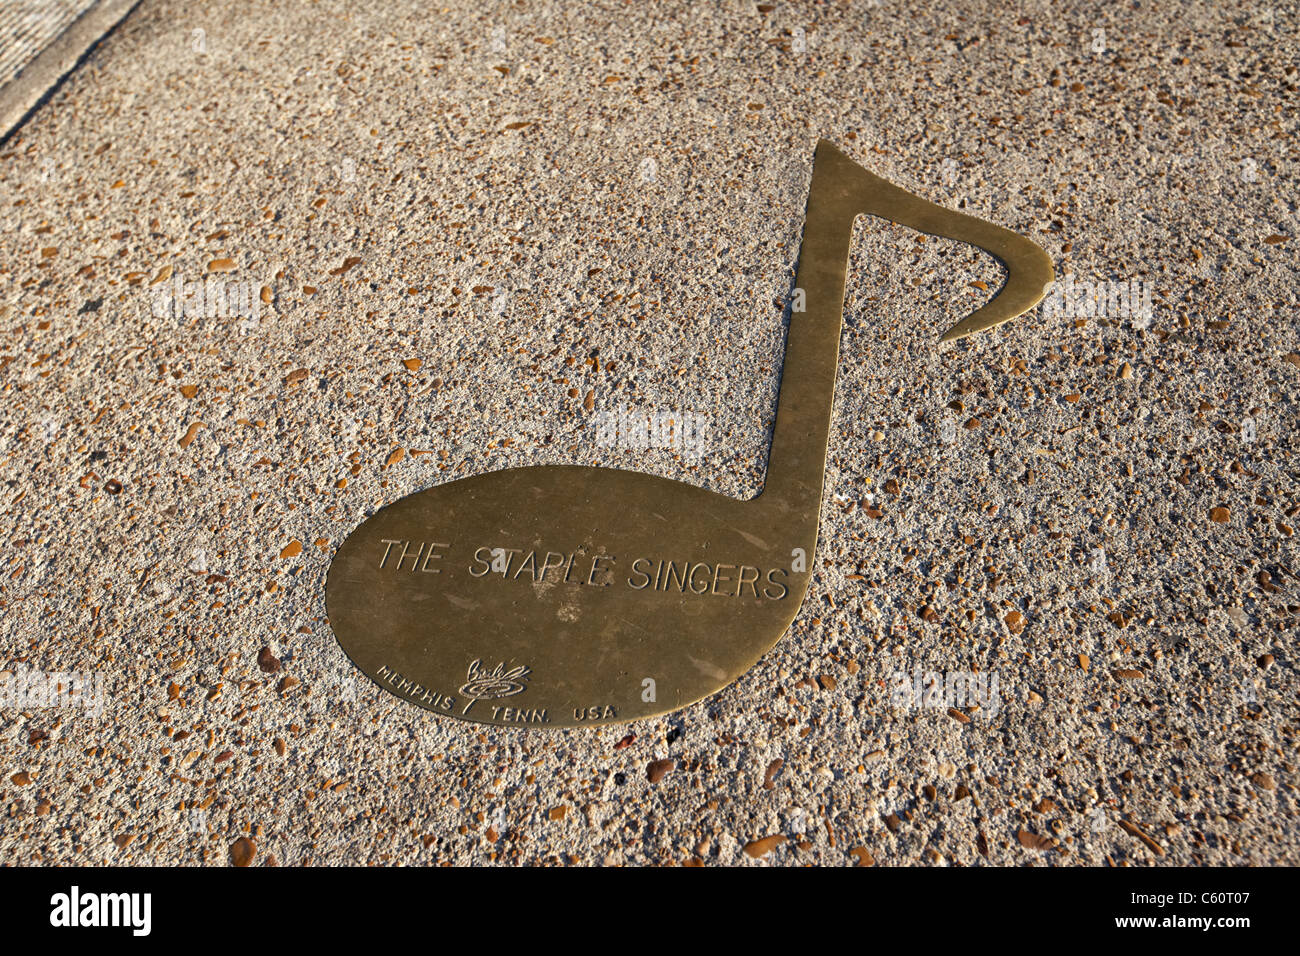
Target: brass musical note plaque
<point>561,596</point>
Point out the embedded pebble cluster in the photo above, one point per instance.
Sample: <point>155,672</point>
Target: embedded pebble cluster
<point>265,270</point>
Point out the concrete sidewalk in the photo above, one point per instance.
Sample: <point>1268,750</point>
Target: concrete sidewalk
<point>453,239</point>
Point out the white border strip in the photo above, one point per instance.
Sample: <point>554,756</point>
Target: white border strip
<point>21,96</point>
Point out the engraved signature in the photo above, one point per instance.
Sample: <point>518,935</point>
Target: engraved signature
<point>483,684</point>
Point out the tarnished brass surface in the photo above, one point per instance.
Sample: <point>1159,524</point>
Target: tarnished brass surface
<point>563,595</point>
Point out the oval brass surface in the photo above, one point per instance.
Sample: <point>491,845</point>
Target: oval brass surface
<point>557,596</point>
